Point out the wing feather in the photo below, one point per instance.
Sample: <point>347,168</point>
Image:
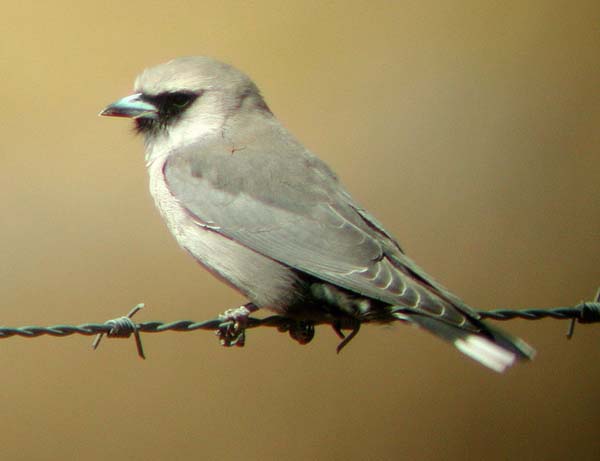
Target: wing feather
<point>288,206</point>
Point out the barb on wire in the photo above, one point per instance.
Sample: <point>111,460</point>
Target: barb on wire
<point>301,331</point>
<point>122,327</point>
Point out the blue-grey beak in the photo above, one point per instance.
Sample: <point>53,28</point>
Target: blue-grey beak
<point>132,106</point>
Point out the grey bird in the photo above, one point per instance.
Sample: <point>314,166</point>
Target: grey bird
<point>261,212</point>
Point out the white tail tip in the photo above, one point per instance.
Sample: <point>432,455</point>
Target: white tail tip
<point>486,352</point>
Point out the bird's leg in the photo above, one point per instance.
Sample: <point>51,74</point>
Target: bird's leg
<point>232,331</point>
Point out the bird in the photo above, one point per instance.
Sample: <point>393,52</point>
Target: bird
<point>264,214</point>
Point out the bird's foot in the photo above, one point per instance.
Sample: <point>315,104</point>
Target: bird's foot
<point>302,331</point>
<point>232,331</point>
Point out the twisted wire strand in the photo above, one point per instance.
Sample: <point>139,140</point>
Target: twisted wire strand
<point>108,328</point>
<point>583,313</point>
<point>587,312</point>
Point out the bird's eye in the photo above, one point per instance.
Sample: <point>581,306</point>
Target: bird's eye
<point>172,105</point>
<point>181,99</point>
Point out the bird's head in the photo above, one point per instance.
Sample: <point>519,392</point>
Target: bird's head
<point>185,99</point>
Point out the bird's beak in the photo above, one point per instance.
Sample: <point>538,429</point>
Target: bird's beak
<point>132,106</point>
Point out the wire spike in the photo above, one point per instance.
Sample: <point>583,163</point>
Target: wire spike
<point>123,327</point>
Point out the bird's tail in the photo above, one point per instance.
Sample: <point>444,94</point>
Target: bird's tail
<point>488,345</point>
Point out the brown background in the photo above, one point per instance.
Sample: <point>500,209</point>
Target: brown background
<point>470,129</point>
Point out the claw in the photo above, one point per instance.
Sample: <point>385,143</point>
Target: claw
<point>346,339</point>
<point>232,331</point>
<point>338,330</point>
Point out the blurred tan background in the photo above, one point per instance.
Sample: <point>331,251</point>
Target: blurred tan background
<point>471,129</point>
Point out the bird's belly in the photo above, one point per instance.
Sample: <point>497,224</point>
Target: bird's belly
<point>264,281</point>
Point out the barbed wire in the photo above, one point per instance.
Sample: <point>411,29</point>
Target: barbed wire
<point>301,331</point>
